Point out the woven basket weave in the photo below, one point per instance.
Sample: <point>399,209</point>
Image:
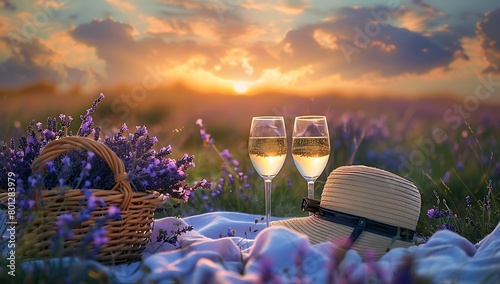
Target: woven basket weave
<point>128,237</point>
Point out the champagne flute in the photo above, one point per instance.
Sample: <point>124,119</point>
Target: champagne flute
<point>310,148</point>
<point>267,147</point>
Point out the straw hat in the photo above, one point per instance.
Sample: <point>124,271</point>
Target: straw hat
<point>363,208</point>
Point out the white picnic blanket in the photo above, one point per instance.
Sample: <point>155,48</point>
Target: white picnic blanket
<point>279,255</point>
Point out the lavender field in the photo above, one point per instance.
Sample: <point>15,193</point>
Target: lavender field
<point>452,160</point>
<point>426,141</point>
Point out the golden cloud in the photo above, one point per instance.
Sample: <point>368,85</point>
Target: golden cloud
<point>122,5</point>
<point>79,56</point>
<point>325,39</point>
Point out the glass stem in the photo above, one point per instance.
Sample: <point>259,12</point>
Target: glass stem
<point>310,192</point>
<point>267,188</point>
<point>310,189</point>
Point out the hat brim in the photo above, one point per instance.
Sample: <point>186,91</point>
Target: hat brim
<point>319,230</point>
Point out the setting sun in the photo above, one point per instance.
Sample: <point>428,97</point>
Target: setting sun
<point>240,87</point>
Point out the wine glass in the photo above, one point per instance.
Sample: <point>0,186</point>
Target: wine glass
<point>310,148</point>
<point>267,147</point>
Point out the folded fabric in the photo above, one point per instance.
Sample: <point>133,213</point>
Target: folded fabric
<point>227,247</point>
<point>280,255</point>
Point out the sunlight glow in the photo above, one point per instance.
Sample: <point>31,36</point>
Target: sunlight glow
<point>240,87</point>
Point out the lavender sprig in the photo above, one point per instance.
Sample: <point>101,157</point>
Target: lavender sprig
<point>231,187</point>
<point>87,121</point>
<point>475,221</point>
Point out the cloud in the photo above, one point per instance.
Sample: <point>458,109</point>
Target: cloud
<point>414,21</point>
<point>286,7</point>
<point>79,55</point>
<point>215,20</point>
<point>350,45</point>
<point>254,41</point>
<point>427,7</point>
<point>8,5</point>
<point>127,59</point>
<point>353,45</point>
<point>235,63</point>
<point>30,62</point>
<point>173,28</point>
<point>181,31</point>
<point>489,32</point>
<point>75,76</point>
<point>114,43</point>
<point>427,20</point>
<point>293,7</point>
<point>4,25</point>
<point>25,62</point>
<point>122,5</point>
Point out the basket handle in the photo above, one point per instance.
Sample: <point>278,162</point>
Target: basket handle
<point>57,147</point>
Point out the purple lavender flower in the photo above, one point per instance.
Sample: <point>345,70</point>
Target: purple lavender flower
<point>436,194</point>
<point>26,204</point>
<point>266,272</point>
<point>232,180</point>
<point>97,133</point>
<point>148,169</point>
<point>99,237</point>
<point>173,240</point>
<point>488,196</point>
<point>205,137</point>
<point>298,259</point>
<point>64,219</point>
<point>53,125</point>
<point>48,134</point>
<point>449,227</point>
<point>164,151</point>
<point>164,237</point>
<point>86,126</point>
<point>446,177</point>
<point>84,215</point>
<point>203,184</point>
<point>91,203</point>
<point>226,155</point>
<point>62,117</point>
<point>434,213</point>
<point>113,210</point>
<point>65,223</point>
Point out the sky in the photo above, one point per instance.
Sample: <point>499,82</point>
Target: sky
<point>246,46</point>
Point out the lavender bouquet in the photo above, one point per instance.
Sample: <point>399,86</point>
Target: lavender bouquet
<point>147,169</point>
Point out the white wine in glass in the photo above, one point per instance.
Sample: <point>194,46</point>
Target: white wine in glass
<point>310,148</point>
<point>267,148</point>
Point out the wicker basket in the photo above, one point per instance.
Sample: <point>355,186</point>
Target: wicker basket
<point>128,237</point>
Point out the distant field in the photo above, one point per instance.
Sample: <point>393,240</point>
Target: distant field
<point>427,141</point>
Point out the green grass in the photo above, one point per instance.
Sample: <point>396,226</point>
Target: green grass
<point>471,161</point>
